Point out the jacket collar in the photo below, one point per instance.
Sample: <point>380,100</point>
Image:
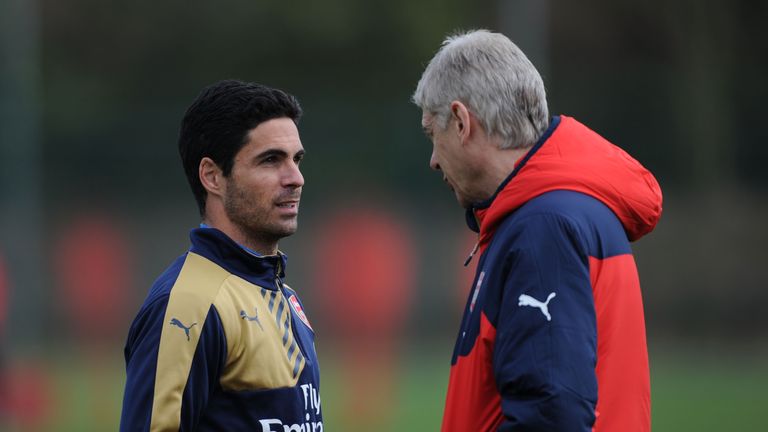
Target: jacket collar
<point>475,212</point>
<point>570,156</point>
<point>216,246</point>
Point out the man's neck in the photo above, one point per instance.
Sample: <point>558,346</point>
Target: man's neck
<point>499,165</point>
<point>249,243</point>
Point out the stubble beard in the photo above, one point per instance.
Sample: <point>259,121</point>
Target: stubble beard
<point>253,219</point>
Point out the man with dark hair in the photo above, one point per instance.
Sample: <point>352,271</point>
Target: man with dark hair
<point>221,342</point>
<point>553,335</point>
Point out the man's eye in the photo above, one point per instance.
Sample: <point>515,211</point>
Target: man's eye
<point>269,160</point>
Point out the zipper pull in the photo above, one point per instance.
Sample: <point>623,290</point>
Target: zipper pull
<point>472,254</point>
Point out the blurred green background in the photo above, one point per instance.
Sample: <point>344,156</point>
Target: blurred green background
<point>94,204</point>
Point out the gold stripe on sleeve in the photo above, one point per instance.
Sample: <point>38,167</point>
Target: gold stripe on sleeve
<point>190,300</point>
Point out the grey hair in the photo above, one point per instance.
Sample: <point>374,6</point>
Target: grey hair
<point>487,72</point>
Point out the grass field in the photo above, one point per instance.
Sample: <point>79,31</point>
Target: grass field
<point>690,393</point>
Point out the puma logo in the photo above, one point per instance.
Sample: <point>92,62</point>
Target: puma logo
<point>526,300</point>
<point>255,317</point>
<point>180,325</point>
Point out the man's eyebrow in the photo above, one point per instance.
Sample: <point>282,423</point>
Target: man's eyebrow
<point>271,152</point>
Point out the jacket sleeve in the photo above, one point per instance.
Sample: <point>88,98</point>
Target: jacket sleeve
<point>182,396</point>
<point>545,351</point>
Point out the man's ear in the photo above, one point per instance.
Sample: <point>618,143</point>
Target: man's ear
<point>460,115</point>
<point>212,177</point>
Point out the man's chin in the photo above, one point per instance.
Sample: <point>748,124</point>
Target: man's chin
<point>286,230</point>
<point>463,202</point>
<point>273,232</point>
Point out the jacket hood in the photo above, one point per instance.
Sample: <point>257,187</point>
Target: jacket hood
<point>570,156</point>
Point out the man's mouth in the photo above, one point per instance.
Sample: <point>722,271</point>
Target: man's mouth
<point>288,204</point>
<point>445,179</point>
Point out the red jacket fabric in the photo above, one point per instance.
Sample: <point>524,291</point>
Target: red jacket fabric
<point>553,334</point>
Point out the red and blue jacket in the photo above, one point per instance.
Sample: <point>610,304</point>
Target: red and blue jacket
<point>553,334</point>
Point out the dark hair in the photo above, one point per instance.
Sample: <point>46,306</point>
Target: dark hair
<point>217,123</point>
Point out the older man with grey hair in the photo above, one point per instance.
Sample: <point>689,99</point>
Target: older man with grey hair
<point>553,334</point>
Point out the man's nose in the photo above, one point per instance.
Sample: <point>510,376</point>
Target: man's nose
<point>433,162</point>
<point>293,177</point>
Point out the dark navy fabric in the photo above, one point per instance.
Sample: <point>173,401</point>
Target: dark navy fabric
<point>544,370</point>
<point>206,406</point>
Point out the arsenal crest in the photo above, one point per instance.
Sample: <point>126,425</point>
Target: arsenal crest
<point>299,310</point>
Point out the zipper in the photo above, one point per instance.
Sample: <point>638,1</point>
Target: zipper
<point>477,243</point>
<point>472,254</point>
<point>289,308</point>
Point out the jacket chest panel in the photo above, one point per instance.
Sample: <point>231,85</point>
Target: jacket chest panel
<point>262,350</point>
